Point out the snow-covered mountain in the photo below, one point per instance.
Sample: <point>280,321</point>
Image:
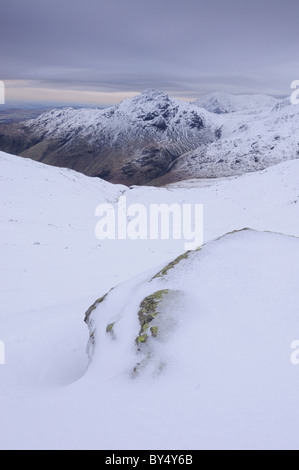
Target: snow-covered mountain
<point>221,357</point>
<point>153,139</point>
<point>133,142</point>
<point>223,103</point>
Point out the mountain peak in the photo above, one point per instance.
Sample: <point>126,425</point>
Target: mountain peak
<point>152,93</point>
<point>149,98</point>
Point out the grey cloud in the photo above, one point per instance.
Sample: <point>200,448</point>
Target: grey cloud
<point>128,45</point>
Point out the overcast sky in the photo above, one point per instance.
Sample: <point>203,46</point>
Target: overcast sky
<point>105,50</point>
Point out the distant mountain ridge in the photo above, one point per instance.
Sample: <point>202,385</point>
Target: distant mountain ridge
<point>223,103</point>
<point>154,139</point>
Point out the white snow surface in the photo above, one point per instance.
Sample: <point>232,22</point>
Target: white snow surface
<point>227,380</point>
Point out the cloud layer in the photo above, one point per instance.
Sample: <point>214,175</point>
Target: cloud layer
<point>184,47</point>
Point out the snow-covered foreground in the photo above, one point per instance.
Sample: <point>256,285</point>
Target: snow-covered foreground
<point>227,380</point>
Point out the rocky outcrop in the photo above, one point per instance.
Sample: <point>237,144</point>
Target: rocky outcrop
<point>173,319</point>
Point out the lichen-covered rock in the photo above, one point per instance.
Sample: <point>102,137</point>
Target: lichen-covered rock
<point>149,310</point>
<point>93,307</point>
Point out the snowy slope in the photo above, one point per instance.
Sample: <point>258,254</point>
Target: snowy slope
<point>52,270</point>
<point>213,335</point>
<point>223,103</point>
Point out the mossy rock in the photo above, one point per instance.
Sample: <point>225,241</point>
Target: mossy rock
<point>154,331</point>
<point>94,306</point>
<point>233,232</point>
<point>148,307</point>
<point>147,313</point>
<point>141,339</point>
<point>145,327</point>
<point>171,265</point>
<point>110,327</point>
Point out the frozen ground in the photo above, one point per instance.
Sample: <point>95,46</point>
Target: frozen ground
<point>229,383</point>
